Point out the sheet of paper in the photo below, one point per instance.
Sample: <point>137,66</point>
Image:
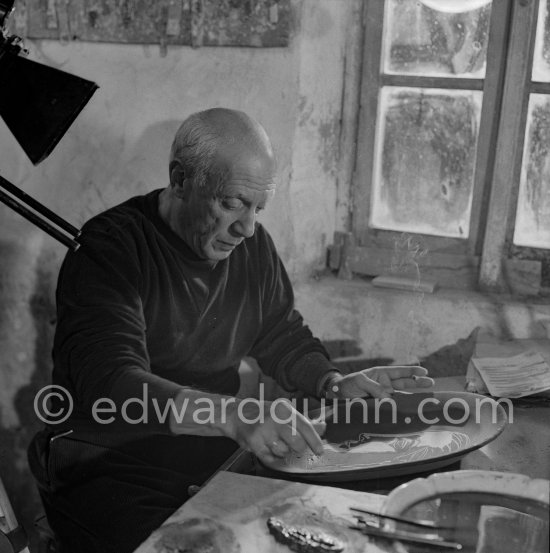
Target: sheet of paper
<point>521,375</point>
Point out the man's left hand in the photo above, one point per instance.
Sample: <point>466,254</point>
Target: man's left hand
<point>379,382</point>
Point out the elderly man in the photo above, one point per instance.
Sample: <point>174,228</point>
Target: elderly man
<point>167,294</point>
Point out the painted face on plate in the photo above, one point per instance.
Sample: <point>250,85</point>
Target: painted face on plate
<point>219,216</point>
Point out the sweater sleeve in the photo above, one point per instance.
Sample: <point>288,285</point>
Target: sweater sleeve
<point>100,345</point>
<point>285,348</point>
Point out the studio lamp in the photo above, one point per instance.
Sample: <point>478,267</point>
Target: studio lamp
<point>38,104</point>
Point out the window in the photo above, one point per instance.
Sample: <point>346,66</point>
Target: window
<point>452,171</point>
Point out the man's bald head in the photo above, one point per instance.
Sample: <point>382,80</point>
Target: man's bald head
<point>208,140</point>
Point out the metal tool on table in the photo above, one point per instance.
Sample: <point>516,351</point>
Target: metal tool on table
<point>421,532</point>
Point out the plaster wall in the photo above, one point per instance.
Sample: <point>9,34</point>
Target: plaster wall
<point>404,326</point>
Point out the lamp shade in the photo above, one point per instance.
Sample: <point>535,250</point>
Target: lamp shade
<point>39,103</point>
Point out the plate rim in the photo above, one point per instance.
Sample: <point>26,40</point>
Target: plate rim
<point>507,484</point>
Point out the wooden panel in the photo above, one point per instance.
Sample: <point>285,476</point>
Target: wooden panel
<point>451,271</point>
<point>540,88</point>
<point>509,146</point>
<point>421,81</point>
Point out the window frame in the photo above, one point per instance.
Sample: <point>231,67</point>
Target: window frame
<point>481,260</point>
<point>499,251</point>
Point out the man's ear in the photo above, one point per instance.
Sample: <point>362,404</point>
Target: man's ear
<point>179,180</point>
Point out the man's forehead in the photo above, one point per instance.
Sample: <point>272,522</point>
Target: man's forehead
<point>236,187</point>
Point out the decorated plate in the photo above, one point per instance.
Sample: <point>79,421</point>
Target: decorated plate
<point>414,433</point>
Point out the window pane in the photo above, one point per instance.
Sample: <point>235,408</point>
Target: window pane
<point>533,212</point>
<point>424,41</point>
<point>424,160</point>
<point>541,59</point>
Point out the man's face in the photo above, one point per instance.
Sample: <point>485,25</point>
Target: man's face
<point>221,217</point>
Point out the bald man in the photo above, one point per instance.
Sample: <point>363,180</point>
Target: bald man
<point>167,294</point>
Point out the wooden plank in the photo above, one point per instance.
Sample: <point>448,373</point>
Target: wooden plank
<point>405,283</point>
<point>389,239</point>
<point>353,59</point>
<point>374,16</point>
<point>492,101</point>
<point>540,88</point>
<point>448,270</point>
<point>509,147</point>
<point>421,81</point>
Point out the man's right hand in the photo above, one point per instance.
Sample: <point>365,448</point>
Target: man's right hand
<point>272,430</point>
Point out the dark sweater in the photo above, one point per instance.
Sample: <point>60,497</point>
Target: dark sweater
<point>136,305</point>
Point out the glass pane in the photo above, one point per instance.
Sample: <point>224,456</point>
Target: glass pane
<point>421,40</point>
<point>541,59</point>
<point>533,212</point>
<point>424,160</point>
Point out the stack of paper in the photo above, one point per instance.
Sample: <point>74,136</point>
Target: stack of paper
<point>521,375</point>
<point>509,368</point>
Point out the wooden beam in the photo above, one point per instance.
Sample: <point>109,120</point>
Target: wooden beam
<point>374,17</point>
<point>509,146</point>
<point>540,88</point>
<point>488,128</point>
<point>421,81</point>
<point>353,59</point>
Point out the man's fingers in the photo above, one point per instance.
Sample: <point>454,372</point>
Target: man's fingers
<point>373,388</point>
<point>266,456</point>
<point>408,383</point>
<point>320,427</point>
<point>309,434</point>
<point>279,448</point>
<point>400,371</point>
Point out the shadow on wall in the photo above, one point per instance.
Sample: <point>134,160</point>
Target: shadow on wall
<point>29,300</point>
<point>14,440</point>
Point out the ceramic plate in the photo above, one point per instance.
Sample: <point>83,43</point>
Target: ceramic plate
<point>368,448</point>
<point>484,511</point>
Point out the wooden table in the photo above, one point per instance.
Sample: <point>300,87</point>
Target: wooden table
<point>239,506</point>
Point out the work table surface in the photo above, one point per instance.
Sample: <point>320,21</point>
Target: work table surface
<point>242,495</point>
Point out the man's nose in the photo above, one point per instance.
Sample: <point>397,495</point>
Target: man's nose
<point>246,224</point>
